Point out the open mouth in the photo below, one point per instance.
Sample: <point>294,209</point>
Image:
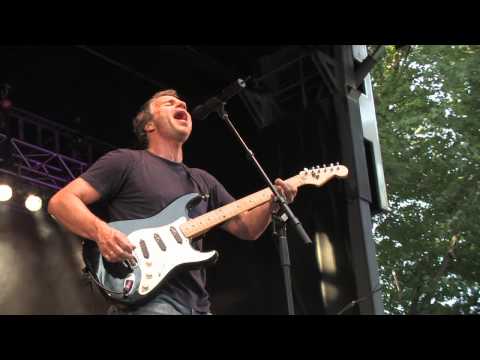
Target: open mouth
<point>180,115</point>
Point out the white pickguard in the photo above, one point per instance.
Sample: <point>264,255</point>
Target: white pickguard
<point>160,263</point>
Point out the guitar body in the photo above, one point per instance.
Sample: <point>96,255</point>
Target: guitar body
<point>161,249</point>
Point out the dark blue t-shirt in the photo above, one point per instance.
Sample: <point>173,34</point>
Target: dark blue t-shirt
<point>136,184</point>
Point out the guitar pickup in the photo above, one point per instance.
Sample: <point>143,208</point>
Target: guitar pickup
<point>144,249</point>
<point>159,242</point>
<point>176,235</point>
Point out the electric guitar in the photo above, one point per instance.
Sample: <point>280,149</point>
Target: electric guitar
<point>163,241</point>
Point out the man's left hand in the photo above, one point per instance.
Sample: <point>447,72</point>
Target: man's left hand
<point>287,190</point>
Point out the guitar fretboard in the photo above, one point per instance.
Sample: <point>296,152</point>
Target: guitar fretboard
<point>205,222</point>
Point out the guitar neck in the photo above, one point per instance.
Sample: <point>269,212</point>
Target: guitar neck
<point>205,222</point>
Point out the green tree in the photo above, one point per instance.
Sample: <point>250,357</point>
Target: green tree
<point>428,110</point>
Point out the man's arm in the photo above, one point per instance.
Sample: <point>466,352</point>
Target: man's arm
<point>69,207</point>
<point>251,224</point>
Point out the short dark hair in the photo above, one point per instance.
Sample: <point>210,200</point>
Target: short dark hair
<point>144,116</point>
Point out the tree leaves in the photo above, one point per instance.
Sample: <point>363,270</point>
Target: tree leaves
<point>428,108</point>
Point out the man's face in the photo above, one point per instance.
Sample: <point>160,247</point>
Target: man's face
<point>171,119</point>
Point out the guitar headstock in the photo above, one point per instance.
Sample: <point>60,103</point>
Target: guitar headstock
<point>318,175</point>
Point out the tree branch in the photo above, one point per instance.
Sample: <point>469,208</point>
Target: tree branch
<point>440,272</point>
<point>397,284</point>
<point>415,297</point>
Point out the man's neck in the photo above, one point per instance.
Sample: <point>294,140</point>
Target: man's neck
<point>168,150</point>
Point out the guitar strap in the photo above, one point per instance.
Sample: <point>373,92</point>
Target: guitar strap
<point>204,194</point>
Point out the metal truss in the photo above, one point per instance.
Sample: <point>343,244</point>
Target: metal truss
<point>43,152</point>
<point>3,145</point>
<point>41,166</point>
<point>326,67</point>
<point>295,77</point>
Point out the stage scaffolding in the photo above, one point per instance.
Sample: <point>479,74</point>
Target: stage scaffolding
<point>43,152</point>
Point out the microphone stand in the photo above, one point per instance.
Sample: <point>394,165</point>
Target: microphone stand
<point>280,222</point>
<point>280,230</point>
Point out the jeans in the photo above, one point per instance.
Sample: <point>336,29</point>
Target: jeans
<point>161,305</point>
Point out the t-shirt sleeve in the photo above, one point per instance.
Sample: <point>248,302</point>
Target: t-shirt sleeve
<point>108,173</point>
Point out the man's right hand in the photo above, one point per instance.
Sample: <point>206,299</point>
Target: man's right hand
<point>113,244</point>
<point>69,207</point>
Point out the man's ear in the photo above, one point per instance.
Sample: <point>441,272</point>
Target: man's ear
<point>149,127</point>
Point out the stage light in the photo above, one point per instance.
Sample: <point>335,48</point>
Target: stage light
<point>5,192</point>
<point>5,103</point>
<point>33,203</point>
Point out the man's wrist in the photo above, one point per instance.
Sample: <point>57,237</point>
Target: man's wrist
<point>98,228</point>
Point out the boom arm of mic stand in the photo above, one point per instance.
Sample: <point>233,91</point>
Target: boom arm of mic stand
<point>293,219</point>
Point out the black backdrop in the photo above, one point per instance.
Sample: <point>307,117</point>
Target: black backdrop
<point>42,268</point>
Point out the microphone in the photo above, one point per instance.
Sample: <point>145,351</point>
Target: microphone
<point>202,111</point>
